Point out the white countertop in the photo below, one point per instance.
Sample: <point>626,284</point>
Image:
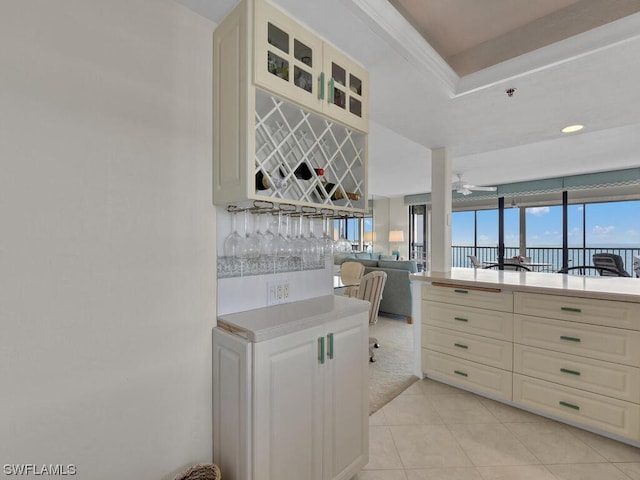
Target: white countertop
<point>607,288</point>
<point>265,323</point>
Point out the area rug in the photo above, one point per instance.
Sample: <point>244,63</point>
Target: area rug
<point>391,373</point>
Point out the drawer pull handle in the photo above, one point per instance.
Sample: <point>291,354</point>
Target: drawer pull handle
<point>457,290</point>
<point>570,339</point>
<point>572,372</point>
<point>570,309</point>
<point>460,319</point>
<point>321,350</point>
<point>330,346</point>
<point>569,405</point>
<point>458,372</point>
<point>460,345</point>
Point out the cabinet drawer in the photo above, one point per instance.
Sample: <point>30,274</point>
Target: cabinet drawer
<point>604,343</point>
<point>496,353</point>
<point>589,409</point>
<point>610,379</point>
<point>469,297</point>
<point>479,321</point>
<point>483,378</point>
<point>585,310</point>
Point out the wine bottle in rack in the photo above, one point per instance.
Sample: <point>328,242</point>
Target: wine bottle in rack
<point>303,172</point>
<point>339,194</point>
<point>276,180</point>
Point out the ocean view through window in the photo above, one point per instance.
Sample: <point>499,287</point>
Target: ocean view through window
<point>609,227</point>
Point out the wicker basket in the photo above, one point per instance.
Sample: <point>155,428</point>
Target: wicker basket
<point>202,471</point>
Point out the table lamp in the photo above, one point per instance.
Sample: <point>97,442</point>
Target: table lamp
<point>396,237</point>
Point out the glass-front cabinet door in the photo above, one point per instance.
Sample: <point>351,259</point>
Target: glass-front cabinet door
<point>288,58</point>
<point>347,89</point>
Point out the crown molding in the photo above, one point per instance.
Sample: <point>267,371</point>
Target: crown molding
<point>387,22</point>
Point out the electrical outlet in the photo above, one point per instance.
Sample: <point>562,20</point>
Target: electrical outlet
<point>278,291</point>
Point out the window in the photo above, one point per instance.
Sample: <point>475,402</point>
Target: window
<point>352,229</point>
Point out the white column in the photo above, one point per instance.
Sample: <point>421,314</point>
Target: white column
<point>441,210</point>
<point>523,231</point>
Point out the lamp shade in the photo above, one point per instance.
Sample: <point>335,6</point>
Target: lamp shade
<point>396,236</point>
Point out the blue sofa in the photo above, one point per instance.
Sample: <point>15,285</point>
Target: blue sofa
<point>396,297</point>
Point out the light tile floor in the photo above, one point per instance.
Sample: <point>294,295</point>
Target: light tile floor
<point>433,431</point>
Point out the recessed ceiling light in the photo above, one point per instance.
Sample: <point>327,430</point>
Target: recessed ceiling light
<point>572,128</point>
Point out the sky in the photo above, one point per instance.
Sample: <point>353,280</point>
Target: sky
<point>607,224</point>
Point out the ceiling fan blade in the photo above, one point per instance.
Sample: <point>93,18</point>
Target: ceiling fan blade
<point>464,188</point>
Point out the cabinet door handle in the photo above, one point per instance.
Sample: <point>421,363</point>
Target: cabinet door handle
<point>330,346</point>
<point>458,372</point>
<point>321,350</point>
<point>321,89</point>
<point>569,405</point>
<point>570,309</point>
<point>569,339</point>
<point>572,372</point>
<point>460,319</point>
<point>331,92</point>
<point>460,345</point>
<point>457,290</point>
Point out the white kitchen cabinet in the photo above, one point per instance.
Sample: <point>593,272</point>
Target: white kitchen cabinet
<point>575,343</point>
<point>467,337</point>
<point>293,401</point>
<point>284,99</point>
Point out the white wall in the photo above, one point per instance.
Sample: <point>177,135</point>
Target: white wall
<point>399,215</point>
<point>107,236</point>
<point>391,214</point>
<point>381,225</point>
<point>249,292</point>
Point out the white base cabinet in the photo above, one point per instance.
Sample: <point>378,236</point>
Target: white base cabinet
<point>573,358</point>
<point>294,406</point>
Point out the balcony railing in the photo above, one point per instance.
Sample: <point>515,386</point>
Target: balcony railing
<point>550,255</point>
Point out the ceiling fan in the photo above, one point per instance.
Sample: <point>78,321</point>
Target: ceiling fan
<point>465,188</point>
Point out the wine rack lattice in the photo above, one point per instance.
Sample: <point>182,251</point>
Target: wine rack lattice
<point>288,136</point>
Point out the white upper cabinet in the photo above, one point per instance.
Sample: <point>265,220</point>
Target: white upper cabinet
<point>290,114</point>
<point>293,62</point>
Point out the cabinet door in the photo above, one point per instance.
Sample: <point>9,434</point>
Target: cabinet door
<point>346,440</point>
<point>347,89</point>
<point>231,404</point>
<point>288,58</point>
<point>288,406</point>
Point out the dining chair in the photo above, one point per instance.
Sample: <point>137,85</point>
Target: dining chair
<point>611,261</point>
<point>474,261</point>
<point>582,270</point>
<point>508,266</point>
<point>370,289</point>
<point>350,275</point>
